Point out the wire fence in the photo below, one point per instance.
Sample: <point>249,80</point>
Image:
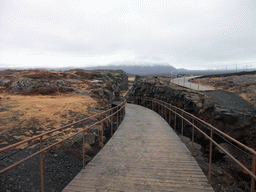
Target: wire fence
<point>233,68</point>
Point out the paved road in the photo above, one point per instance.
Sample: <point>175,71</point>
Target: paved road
<point>145,154</point>
<point>184,82</point>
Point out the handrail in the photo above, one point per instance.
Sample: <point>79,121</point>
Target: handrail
<point>119,110</point>
<point>177,112</point>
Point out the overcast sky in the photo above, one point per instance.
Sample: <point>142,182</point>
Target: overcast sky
<point>182,33</point>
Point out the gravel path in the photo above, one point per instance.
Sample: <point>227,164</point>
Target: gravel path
<point>230,101</point>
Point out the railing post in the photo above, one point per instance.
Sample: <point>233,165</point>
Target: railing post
<point>111,121</point>
<point>175,120</point>
<point>162,109</point>
<point>170,115</point>
<point>123,110</point>
<point>83,145</point>
<point>102,130</point>
<point>117,118</point>
<point>165,112</point>
<point>193,135</point>
<point>121,113</point>
<point>182,125</point>
<point>210,158</point>
<point>253,171</point>
<point>41,164</point>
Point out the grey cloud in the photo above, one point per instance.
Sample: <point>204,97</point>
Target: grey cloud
<point>182,32</point>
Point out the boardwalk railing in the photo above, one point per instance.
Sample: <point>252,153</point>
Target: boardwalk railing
<point>175,115</point>
<point>118,112</point>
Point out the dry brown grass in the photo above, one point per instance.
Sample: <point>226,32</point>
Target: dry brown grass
<point>24,116</point>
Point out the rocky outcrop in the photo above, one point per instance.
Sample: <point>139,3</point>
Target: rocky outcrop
<point>105,85</point>
<point>41,86</point>
<point>118,79</point>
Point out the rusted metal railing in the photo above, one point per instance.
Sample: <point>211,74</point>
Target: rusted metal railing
<point>103,116</point>
<point>159,106</point>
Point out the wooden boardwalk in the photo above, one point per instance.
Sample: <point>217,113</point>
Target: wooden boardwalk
<point>144,154</point>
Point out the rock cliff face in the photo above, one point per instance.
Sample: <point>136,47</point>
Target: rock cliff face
<point>101,84</point>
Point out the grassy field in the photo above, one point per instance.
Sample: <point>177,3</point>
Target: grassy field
<point>24,116</point>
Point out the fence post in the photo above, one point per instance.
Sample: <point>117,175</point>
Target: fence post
<point>165,112</point>
<point>83,145</point>
<point>253,171</point>
<point>117,118</point>
<point>210,157</point>
<point>170,115</point>
<point>193,135</point>
<point>175,119</point>
<point>111,121</point>
<point>162,109</point>
<point>41,165</point>
<point>102,130</point>
<point>123,110</point>
<point>182,124</point>
<point>121,113</point>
